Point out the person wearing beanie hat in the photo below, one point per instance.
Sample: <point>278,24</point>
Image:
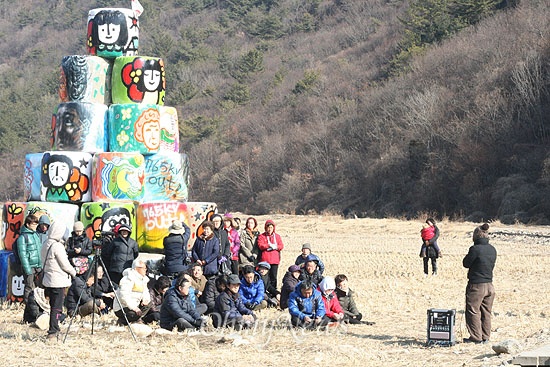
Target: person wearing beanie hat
<point>271,245</point>
<point>79,247</point>
<point>306,253</point>
<point>175,249</point>
<point>429,251</point>
<point>480,292</point>
<point>333,310</point>
<point>290,280</point>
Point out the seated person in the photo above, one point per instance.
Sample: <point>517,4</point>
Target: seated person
<point>178,309</point>
<point>82,289</point>
<point>333,310</point>
<point>133,298</point>
<point>37,305</point>
<point>289,283</point>
<point>157,290</point>
<point>345,297</point>
<point>306,306</point>
<point>104,290</point>
<point>306,252</point>
<point>197,279</point>
<point>230,309</point>
<point>213,288</point>
<point>252,289</point>
<point>311,272</point>
<point>271,295</point>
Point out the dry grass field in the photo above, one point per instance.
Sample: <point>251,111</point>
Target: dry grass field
<point>380,257</point>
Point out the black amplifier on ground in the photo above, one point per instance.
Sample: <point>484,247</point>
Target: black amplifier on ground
<point>441,327</point>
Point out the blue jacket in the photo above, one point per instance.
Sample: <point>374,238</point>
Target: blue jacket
<point>301,307</point>
<point>207,250</point>
<point>300,260</point>
<point>252,293</point>
<point>177,306</point>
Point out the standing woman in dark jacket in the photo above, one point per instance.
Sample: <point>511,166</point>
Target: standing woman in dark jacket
<point>121,252</point>
<point>175,249</point>
<point>206,250</point>
<point>221,235</point>
<point>480,292</point>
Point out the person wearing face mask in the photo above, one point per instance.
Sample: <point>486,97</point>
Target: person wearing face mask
<point>79,247</point>
<point>121,252</point>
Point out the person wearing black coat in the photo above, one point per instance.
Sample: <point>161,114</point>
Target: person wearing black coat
<point>480,292</point>
<point>79,247</point>
<point>206,250</point>
<point>311,272</point>
<point>211,291</point>
<point>177,308</point>
<point>82,289</point>
<point>290,280</point>
<point>175,249</point>
<point>120,253</point>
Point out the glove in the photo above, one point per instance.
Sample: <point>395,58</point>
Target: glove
<point>269,249</point>
<point>197,323</point>
<point>248,305</point>
<point>222,259</point>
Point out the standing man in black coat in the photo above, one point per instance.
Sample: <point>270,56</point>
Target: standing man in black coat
<point>480,292</point>
<point>175,249</point>
<point>120,253</point>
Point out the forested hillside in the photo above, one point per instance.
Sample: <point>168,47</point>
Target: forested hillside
<point>383,108</point>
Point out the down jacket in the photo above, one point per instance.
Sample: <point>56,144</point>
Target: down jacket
<point>132,290</point>
<point>254,292</point>
<point>58,271</point>
<point>270,245</point>
<point>177,306</point>
<point>300,307</point>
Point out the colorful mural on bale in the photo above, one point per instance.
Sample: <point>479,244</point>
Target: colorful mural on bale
<point>13,217</point>
<point>113,32</point>
<point>33,176</point>
<point>66,177</point>
<point>118,177</point>
<point>85,79</point>
<point>134,128</point>
<point>138,79</point>
<point>166,177</point>
<point>154,218</point>
<point>99,218</point>
<point>169,129</point>
<point>80,126</point>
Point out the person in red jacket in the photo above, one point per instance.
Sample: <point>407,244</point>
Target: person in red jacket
<point>333,310</point>
<point>271,245</point>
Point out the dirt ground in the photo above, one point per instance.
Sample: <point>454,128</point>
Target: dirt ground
<point>380,258</point>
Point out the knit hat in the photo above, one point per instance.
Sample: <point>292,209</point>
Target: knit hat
<point>306,245</point>
<point>293,268</point>
<point>327,283</point>
<point>264,264</point>
<point>176,228</point>
<point>78,226</point>
<point>233,279</point>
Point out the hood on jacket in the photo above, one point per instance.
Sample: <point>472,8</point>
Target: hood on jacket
<point>44,219</point>
<point>327,283</point>
<point>57,231</point>
<point>268,222</point>
<point>134,275</point>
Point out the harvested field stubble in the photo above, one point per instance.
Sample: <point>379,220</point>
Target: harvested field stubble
<point>380,258</point>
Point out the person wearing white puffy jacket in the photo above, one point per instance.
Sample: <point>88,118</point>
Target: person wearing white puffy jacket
<point>133,294</point>
<point>58,273</point>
